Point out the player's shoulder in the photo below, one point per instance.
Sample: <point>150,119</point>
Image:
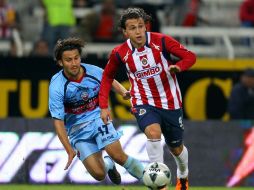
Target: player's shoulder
<point>120,48</point>
<point>90,67</point>
<point>57,80</point>
<point>158,36</point>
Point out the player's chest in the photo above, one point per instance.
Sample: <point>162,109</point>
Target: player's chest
<point>142,60</point>
<point>84,90</point>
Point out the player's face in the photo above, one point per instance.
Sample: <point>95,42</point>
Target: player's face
<point>71,64</point>
<point>135,30</point>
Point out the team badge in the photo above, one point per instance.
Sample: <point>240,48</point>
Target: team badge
<point>144,61</point>
<point>142,112</point>
<point>84,96</point>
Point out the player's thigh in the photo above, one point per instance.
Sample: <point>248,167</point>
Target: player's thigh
<point>115,151</point>
<point>105,134</point>
<point>172,127</point>
<point>95,165</point>
<point>147,116</point>
<point>86,147</point>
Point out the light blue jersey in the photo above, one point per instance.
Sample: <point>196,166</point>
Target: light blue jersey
<point>74,102</point>
<point>77,104</point>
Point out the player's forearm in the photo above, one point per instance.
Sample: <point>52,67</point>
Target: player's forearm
<point>62,135</point>
<point>187,61</point>
<point>118,88</point>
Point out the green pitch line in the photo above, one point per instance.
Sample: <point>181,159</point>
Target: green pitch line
<point>99,187</point>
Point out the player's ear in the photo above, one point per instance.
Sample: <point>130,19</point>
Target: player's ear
<point>60,63</point>
<point>124,33</point>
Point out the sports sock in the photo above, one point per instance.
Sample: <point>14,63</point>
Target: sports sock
<point>134,167</point>
<point>182,163</point>
<point>109,164</point>
<point>154,150</point>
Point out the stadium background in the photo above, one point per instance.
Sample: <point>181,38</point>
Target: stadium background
<point>219,148</point>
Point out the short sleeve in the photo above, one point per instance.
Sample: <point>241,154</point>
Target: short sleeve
<point>56,106</point>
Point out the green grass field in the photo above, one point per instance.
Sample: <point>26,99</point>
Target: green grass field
<point>99,187</point>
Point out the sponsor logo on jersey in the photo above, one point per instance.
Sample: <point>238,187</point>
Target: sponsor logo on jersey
<point>148,73</point>
<point>156,46</point>
<point>126,56</point>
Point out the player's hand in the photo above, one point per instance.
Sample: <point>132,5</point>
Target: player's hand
<point>105,115</point>
<point>127,95</point>
<point>71,155</point>
<point>174,69</point>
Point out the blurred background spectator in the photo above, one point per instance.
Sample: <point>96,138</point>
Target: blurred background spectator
<point>80,3</point>
<point>100,25</point>
<point>247,13</point>
<point>40,49</point>
<point>59,20</point>
<point>8,19</point>
<point>241,101</point>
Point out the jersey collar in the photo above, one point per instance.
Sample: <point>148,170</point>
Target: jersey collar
<point>148,38</point>
<point>79,80</point>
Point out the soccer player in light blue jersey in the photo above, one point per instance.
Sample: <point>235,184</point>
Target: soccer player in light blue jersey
<point>74,106</point>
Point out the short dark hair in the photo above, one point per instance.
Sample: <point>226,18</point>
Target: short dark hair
<point>133,13</point>
<point>67,44</point>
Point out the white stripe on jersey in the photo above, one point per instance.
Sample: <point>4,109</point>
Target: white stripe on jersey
<point>135,87</point>
<point>171,83</point>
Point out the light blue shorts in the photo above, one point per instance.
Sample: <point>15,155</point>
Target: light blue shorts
<point>93,138</point>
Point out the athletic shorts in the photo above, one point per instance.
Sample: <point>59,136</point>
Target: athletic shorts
<point>93,138</point>
<point>171,122</point>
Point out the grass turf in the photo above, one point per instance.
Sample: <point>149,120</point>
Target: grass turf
<point>100,187</point>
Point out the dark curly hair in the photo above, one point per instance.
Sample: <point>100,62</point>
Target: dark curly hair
<point>133,13</point>
<point>67,44</point>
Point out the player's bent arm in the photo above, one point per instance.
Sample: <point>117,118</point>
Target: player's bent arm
<point>118,88</point>
<point>62,135</point>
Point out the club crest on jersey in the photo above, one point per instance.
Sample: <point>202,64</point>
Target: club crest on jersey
<point>141,112</point>
<point>148,73</point>
<point>144,61</point>
<point>84,96</point>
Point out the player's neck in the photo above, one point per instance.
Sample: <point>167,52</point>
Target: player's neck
<point>79,76</point>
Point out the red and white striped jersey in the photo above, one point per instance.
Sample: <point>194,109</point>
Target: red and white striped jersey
<point>147,69</point>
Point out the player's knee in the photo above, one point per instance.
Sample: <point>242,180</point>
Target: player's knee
<point>99,175</point>
<point>153,134</point>
<point>119,158</point>
<point>177,150</point>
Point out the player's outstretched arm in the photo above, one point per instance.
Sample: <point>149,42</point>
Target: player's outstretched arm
<point>62,135</point>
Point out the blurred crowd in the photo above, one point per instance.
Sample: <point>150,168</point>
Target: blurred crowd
<point>43,22</point>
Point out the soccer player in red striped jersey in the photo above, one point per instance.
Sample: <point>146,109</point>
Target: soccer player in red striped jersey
<point>155,94</point>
